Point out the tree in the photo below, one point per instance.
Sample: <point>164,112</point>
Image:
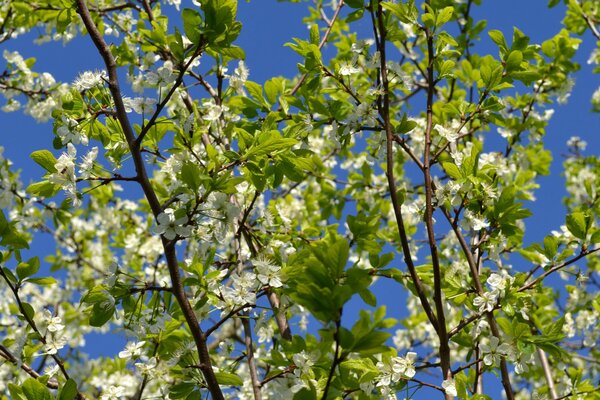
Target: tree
<point>268,207</point>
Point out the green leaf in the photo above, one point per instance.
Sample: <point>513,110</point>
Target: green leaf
<point>270,146</point>
<point>192,23</point>
<point>233,52</point>
<point>444,16</point>
<point>446,68</point>
<point>256,92</point>
<point>181,390</point>
<point>355,3</point>
<point>68,391</point>
<point>191,175</point>
<point>43,189</point>
<point>44,158</point>
<point>28,309</point>
<point>576,224</point>
<point>227,379</point>
<point>550,246</point>
<point>28,268</point>
<point>527,77</point>
<point>16,392</point>
<point>34,390</point>
<point>368,297</point>
<point>595,236</point>
<point>452,170</point>
<point>314,34</point>
<point>406,125</point>
<point>498,38</point>
<point>101,313</point>
<point>47,280</point>
<point>513,61</point>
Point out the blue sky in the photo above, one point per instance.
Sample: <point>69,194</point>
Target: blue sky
<point>268,24</point>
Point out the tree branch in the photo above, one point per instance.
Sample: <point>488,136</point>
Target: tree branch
<point>168,246</point>
<point>250,356</point>
<point>437,275</point>
<point>383,105</point>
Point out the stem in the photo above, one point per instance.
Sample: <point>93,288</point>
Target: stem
<point>336,355</point>
<point>489,315</point>
<point>250,357</point>
<point>4,352</point>
<point>168,246</point>
<point>437,276</point>
<point>383,105</point>
<point>547,373</point>
<point>558,267</point>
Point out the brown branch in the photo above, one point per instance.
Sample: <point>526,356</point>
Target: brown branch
<point>168,96</point>
<point>168,246</point>
<point>336,355</point>
<point>437,275</point>
<point>547,373</point>
<point>478,286</point>
<point>250,356</point>
<point>383,105</point>
<point>4,352</point>
<point>591,25</point>
<point>230,314</point>
<point>558,267</point>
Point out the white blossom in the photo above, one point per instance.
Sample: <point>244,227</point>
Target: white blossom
<point>170,226</point>
<point>450,387</point>
<point>493,351</point>
<point>90,79</point>
<point>132,350</point>
<point>486,302</point>
<point>267,272</point>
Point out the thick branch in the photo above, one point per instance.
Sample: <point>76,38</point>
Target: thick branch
<point>383,105</point>
<point>168,246</point>
<point>4,352</point>
<point>437,275</point>
<point>250,356</point>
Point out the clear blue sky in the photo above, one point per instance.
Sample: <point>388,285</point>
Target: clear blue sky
<point>267,25</point>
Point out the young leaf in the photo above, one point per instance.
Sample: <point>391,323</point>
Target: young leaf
<point>45,159</point>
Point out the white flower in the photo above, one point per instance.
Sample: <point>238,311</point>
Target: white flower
<point>132,350</point>
<point>169,226</point>
<point>303,362</point>
<point>65,171</point>
<point>51,370</point>
<point>493,351</point>
<point>496,282</point>
<point>486,302</point>
<point>88,79</point>
<point>474,222</point>
<point>347,69</point>
<point>69,132</point>
<point>141,105</point>
<point>54,323</point>
<point>212,112</point>
<point>405,365</point>
<point>146,367</point>
<point>113,393</point>
<point>53,344</point>
<point>163,76</point>
<point>576,143</point>
<point>267,272</point>
<point>564,91</point>
<point>450,387</point>
<point>239,77</point>
<point>87,163</point>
